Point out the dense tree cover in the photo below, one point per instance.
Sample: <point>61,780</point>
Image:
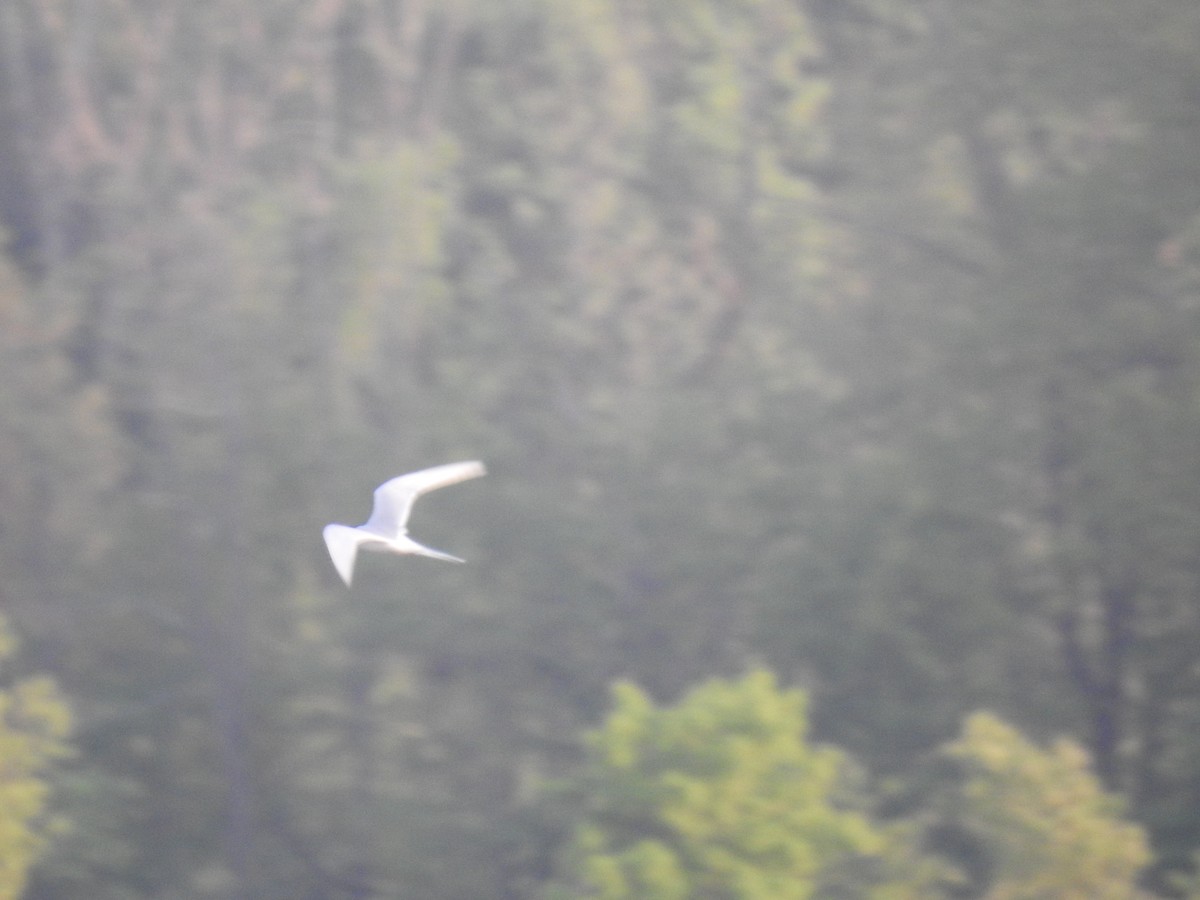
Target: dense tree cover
<point>858,338</point>
<point>722,795</point>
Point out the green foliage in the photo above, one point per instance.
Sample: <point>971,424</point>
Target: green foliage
<point>1187,884</point>
<point>718,796</point>
<point>1047,826</point>
<point>722,796</point>
<point>856,336</point>
<point>34,723</point>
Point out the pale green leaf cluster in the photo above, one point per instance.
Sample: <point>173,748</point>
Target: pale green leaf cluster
<point>34,722</point>
<point>721,796</point>
<point>1049,827</point>
<point>718,796</point>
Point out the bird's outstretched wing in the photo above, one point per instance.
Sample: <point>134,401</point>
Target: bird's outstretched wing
<point>343,541</point>
<point>394,499</point>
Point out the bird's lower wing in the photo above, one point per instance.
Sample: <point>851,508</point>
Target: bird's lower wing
<point>343,541</point>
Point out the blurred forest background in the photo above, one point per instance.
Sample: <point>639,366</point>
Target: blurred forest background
<point>837,368</point>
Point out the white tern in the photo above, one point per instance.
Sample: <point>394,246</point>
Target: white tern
<point>385,531</point>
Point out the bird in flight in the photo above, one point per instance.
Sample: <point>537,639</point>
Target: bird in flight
<point>385,531</point>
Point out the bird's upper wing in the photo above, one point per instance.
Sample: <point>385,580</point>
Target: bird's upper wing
<point>394,499</point>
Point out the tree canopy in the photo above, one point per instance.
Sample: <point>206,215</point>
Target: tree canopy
<point>854,341</point>
<point>719,796</point>
<point>1048,826</point>
<point>34,723</point>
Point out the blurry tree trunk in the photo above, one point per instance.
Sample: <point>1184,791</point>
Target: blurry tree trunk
<point>221,645</point>
<point>1087,672</point>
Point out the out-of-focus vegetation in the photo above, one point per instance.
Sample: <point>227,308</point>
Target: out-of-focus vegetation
<point>1046,826</point>
<point>34,722</point>
<point>718,797</point>
<point>852,340</point>
<point>722,796</point>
